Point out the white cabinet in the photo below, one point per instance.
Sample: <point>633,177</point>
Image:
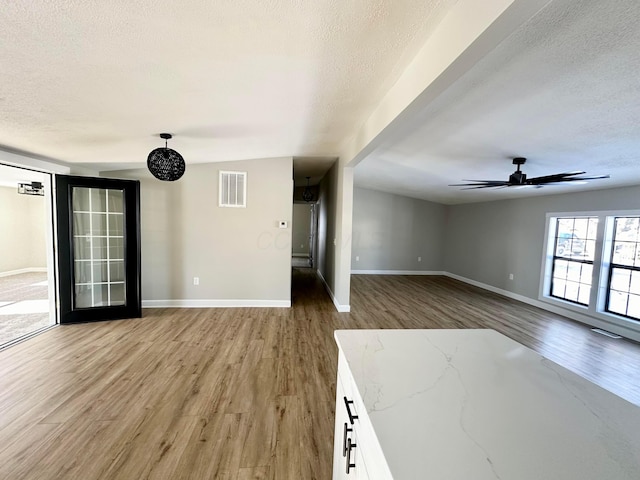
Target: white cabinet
<point>349,435</point>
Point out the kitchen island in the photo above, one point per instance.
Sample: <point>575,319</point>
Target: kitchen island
<point>473,405</point>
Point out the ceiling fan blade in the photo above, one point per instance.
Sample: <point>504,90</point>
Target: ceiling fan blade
<point>485,186</point>
<point>552,178</point>
<point>576,179</point>
<point>486,183</point>
<point>592,177</point>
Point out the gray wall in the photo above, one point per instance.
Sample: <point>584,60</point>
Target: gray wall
<point>327,226</point>
<point>238,253</point>
<point>480,242</point>
<point>390,232</point>
<point>22,231</point>
<point>301,228</point>
<point>484,242</point>
<point>488,241</point>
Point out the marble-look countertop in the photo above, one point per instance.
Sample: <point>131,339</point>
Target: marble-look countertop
<point>474,405</point>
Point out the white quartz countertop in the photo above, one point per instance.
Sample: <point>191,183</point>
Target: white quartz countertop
<point>474,405</point>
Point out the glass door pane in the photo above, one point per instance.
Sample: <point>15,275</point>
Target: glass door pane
<point>27,286</point>
<point>98,233</point>
<point>98,247</point>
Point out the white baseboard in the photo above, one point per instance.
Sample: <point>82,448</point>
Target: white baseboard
<point>23,270</point>
<point>586,319</point>
<point>217,303</point>
<point>339,307</point>
<point>396,272</point>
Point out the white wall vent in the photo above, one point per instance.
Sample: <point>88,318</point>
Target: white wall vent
<point>233,189</point>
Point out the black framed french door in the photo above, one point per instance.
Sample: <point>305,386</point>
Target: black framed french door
<point>98,238</point>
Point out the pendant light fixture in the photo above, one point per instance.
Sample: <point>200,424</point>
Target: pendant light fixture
<point>307,194</point>
<point>164,163</point>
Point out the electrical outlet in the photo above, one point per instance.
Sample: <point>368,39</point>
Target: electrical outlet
<point>357,258</point>
<point>196,280</point>
<point>301,245</point>
<point>419,259</point>
<point>511,276</point>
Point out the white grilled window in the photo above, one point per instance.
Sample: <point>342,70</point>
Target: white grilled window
<point>233,189</point>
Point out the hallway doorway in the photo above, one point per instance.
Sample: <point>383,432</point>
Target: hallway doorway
<point>303,235</point>
<point>27,285</point>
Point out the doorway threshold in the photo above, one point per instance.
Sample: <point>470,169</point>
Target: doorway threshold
<point>26,336</point>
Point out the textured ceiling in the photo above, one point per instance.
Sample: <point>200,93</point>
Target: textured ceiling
<point>563,91</point>
<point>95,82</point>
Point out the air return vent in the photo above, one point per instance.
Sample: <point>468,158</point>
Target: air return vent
<point>605,333</point>
<point>233,189</point>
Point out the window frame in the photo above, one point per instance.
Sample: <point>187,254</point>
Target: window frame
<point>597,307</point>
<point>612,265</point>
<point>568,259</point>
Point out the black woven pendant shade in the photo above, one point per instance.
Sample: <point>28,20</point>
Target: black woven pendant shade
<point>164,163</point>
<point>307,194</point>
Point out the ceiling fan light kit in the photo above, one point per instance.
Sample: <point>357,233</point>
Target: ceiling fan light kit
<point>165,163</point>
<point>519,179</point>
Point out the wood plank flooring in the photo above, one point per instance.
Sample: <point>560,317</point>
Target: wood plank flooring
<point>19,294</point>
<point>239,393</point>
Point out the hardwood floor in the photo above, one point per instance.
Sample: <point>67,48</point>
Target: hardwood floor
<point>24,305</point>
<point>239,393</point>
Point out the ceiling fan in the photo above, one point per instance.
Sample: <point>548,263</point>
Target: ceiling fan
<point>519,179</point>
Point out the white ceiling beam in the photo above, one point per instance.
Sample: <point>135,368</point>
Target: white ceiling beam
<point>466,34</point>
<point>32,162</point>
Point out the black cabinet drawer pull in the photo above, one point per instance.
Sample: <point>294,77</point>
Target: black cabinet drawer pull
<point>350,446</point>
<point>344,439</point>
<point>351,416</point>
